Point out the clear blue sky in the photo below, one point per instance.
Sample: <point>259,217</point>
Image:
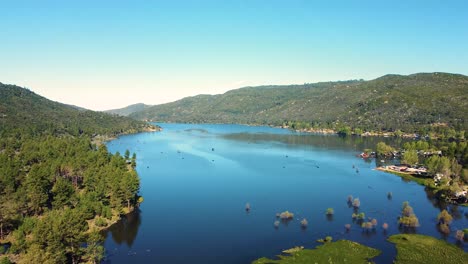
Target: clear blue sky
<point>108,54</point>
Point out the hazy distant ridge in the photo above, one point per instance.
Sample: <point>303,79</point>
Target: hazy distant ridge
<point>126,111</point>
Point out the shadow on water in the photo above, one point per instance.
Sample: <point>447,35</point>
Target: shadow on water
<point>126,229</point>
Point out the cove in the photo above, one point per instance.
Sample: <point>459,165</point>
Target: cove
<point>197,178</point>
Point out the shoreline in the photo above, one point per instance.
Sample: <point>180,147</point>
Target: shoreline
<point>427,182</point>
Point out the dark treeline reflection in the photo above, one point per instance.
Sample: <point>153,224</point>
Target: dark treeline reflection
<point>125,230</point>
<point>355,143</point>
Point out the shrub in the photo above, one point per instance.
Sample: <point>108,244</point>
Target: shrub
<point>444,217</point>
<point>101,222</point>
<point>347,227</point>
<point>5,260</point>
<point>408,218</point>
<point>361,216</point>
<point>460,235</point>
<point>276,224</point>
<point>444,228</point>
<point>356,203</point>
<point>286,215</point>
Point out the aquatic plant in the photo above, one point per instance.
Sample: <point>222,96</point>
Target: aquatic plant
<point>361,216</point>
<point>347,227</point>
<point>460,235</point>
<point>276,224</point>
<point>408,218</point>
<point>444,217</point>
<point>444,228</point>
<point>330,211</point>
<point>286,215</point>
<point>356,203</point>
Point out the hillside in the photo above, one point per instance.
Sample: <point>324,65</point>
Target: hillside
<point>387,103</point>
<point>126,111</point>
<point>21,110</point>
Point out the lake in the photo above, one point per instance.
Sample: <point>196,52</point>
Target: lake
<point>197,178</point>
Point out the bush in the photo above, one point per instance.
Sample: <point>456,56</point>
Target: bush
<point>5,260</point>
<point>101,222</point>
<point>444,217</point>
<point>286,215</point>
<point>356,203</point>
<point>460,235</point>
<point>385,226</point>
<point>408,218</point>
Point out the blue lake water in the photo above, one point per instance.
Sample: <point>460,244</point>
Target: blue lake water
<point>196,180</point>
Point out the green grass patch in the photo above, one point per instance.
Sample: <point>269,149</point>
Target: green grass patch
<point>342,251</point>
<point>413,249</point>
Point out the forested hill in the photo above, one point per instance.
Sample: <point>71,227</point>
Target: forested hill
<point>387,103</point>
<point>128,109</point>
<point>57,188</point>
<point>21,110</point>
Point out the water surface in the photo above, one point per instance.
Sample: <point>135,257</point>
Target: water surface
<point>196,180</point>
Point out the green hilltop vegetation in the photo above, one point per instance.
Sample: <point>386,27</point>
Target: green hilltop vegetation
<point>412,103</point>
<point>22,111</point>
<point>126,111</point>
<point>58,188</point>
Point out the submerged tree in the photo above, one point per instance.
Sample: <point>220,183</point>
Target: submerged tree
<point>460,235</point>
<point>408,218</point>
<point>356,203</point>
<point>444,217</point>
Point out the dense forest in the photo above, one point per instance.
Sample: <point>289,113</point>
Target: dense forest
<point>389,103</point>
<point>57,188</point>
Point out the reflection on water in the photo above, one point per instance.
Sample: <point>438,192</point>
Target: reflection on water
<point>125,230</point>
<point>319,141</point>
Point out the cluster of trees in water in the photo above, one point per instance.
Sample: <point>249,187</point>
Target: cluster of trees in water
<point>55,193</point>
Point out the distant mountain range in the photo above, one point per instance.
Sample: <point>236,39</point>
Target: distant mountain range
<point>126,111</point>
<point>387,103</point>
<point>23,111</point>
